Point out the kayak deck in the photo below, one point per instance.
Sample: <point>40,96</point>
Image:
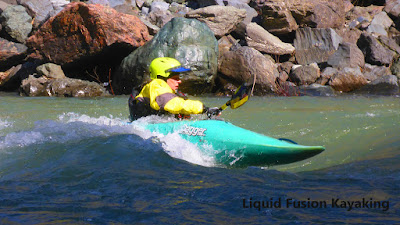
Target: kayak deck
<point>237,147</point>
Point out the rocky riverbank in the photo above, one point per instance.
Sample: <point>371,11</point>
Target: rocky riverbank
<point>287,47</point>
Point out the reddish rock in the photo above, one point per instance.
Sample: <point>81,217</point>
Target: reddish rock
<point>348,79</point>
<point>11,53</point>
<point>82,30</point>
<point>285,16</point>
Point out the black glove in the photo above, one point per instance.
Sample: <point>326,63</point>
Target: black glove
<point>214,111</point>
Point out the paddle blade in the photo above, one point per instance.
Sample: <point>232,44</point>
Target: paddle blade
<point>237,102</point>
<point>240,97</point>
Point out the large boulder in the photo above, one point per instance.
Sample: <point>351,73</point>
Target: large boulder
<point>384,85</point>
<point>260,39</point>
<point>315,45</point>
<point>17,22</point>
<point>81,31</point>
<point>373,72</point>
<point>347,55</point>
<point>348,79</point>
<point>284,16</point>
<point>375,53</point>
<point>62,87</point>
<point>189,41</point>
<point>221,19</point>
<point>244,64</point>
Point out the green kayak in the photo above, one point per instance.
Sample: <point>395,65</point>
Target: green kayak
<point>234,146</point>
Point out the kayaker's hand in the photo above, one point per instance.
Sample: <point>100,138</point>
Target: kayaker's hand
<point>214,111</point>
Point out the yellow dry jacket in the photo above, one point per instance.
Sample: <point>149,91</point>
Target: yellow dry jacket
<point>159,95</point>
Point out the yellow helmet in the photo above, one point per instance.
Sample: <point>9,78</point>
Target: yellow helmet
<point>163,66</point>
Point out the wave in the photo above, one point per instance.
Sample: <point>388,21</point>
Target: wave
<point>73,127</point>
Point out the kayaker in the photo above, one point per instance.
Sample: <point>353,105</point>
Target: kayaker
<point>161,95</point>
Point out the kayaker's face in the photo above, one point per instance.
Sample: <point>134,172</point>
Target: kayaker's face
<point>174,82</point>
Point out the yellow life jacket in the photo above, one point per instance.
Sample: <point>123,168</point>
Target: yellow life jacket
<point>159,96</point>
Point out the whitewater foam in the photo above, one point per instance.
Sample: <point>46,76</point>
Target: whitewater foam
<point>73,127</point>
<point>4,124</point>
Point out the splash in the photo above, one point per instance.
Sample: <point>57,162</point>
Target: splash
<point>73,127</point>
<point>179,148</point>
<point>4,124</point>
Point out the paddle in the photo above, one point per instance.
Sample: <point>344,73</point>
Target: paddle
<point>240,97</point>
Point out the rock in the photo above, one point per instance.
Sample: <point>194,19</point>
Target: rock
<point>114,3</point>
<point>127,8</point>
<point>9,78</point>
<point>348,79</point>
<point>315,90</point>
<point>349,35</point>
<point>69,87</point>
<point>377,29</point>
<point>221,19</point>
<point>284,71</point>
<point>139,3</point>
<point>153,29</point>
<point>189,41</point>
<point>17,23</point>
<point>239,4</point>
<point>276,17</point>
<point>64,87</point>
<point>3,6</point>
<point>100,2</point>
<point>242,64</point>
<point>159,6</point>
<point>42,10</point>
<point>395,68</point>
<point>82,31</point>
<point>319,13</point>
<point>225,43</point>
<point>287,88</point>
<point>179,9</point>
<point>384,85</point>
<point>393,7</point>
<point>373,51</point>
<point>347,55</point>
<point>160,17</point>
<point>11,2</point>
<point>305,75</point>
<point>33,86</point>
<point>326,75</point>
<point>281,16</point>
<point>390,44</point>
<point>11,53</point>
<point>380,24</point>
<point>260,39</point>
<point>373,72</point>
<point>50,70</point>
<point>315,45</point>
<point>361,14</point>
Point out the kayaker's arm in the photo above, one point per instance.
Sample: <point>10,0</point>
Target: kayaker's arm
<point>178,105</point>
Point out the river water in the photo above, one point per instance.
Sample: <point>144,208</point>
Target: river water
<point>77,161</point>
